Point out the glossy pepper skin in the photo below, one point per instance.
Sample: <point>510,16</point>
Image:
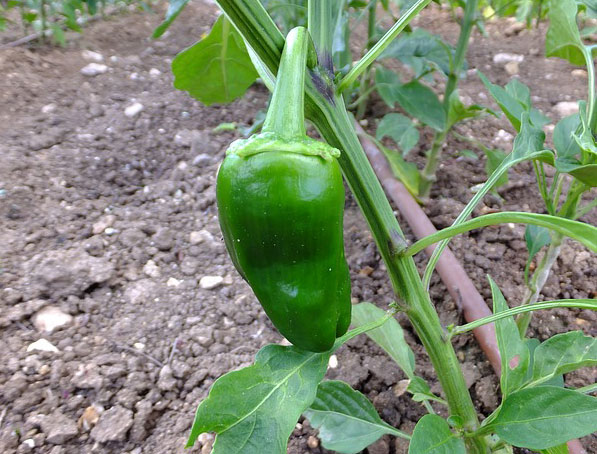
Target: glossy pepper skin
<point>281,216</point>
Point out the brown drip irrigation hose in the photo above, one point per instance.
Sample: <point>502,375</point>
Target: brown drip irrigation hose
<point>451,272</point>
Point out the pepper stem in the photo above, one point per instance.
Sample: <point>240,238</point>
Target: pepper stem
<point>286,114</point>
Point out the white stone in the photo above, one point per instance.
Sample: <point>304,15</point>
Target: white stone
<point>211,282</point>
<point>502,58</point>
<point>173,282</point>
<point>202,236</point>
<point>333,362</point>
<point>48,108</point>
<point>566,108</point>
<point>151,269</point>
<point>139,345</point>
<point>134,76</point>
<point>51,317</point>
<point>581,73</point>
<point>503,136</point>
<point>133,110</point>
<point>94,69</point>
<point>154,72</point>
<point>512,68</point>
<point>30,442</point>
<point>42,345</point>
<point>92,56</point>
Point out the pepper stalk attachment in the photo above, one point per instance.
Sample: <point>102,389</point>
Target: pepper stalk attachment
<point>284,126</point>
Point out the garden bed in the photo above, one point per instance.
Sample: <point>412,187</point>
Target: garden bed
<point>112,219</point>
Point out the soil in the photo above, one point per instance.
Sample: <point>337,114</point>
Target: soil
<point>111,219</point>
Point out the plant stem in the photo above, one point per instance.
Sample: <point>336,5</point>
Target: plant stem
<point>44,25</point>
<point>432,163</point>
<point>384,42</point>
<point>366,76</point>
<point>577,303</point>
<point>542,271</point>
<point>434,154</point>
<point>591,108</point>
<point>321,13</point>
<point>538,281</point>
<point>461,49</point>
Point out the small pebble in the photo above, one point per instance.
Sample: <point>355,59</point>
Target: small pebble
<point>92,56</point>
<point>94,69</point>
<point>133,110</point>
<point>42,345</point>
<point>211,282</point>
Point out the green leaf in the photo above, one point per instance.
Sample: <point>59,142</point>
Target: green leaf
<point>514,100</point>
<point>556,380</point>
<point>563,38</point>
<point>347,421</point>
<point>564,353</point>
<point>563,137</point>
<point>545,416</point>
<point>514,352</point>
<point>420,50</point>
<point>421,391</point>
<point>494,160</point>
<point>389,336</point>
<point>458,112</point>
<point>217,69</point>
<point>580,231</point>
<point>58,34</point>
<point>400,129</point>
<point>174,9</point>
<point>416,99</point>
<point>406,172</point>
<point>585,173</point>
<point>536,237</point>
<point>91,6</point>
<point>432,435</point>
<point>259,405</point>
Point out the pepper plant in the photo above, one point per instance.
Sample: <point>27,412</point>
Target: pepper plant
<point>575,168</point>
<point>255,409</point>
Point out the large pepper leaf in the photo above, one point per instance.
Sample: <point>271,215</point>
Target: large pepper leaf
<point>416,99</point>
<point>563,38</point>
<point>545,416</point>
<point>564,353</point>
<point>218,68</point>
<point>255,409</point>
<point>389,336</point>
<point>400,129</point>
<point>514,352</point>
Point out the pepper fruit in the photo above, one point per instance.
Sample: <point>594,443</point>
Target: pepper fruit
<point>281,200</point>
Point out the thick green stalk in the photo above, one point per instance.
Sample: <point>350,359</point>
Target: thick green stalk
<point>434,154</point>
<point>286,114</point>
<point>366,76</point>
<point>320,13</point>
<point>328,113</point>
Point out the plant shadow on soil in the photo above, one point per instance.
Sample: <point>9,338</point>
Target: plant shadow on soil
<point>112,219</point>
